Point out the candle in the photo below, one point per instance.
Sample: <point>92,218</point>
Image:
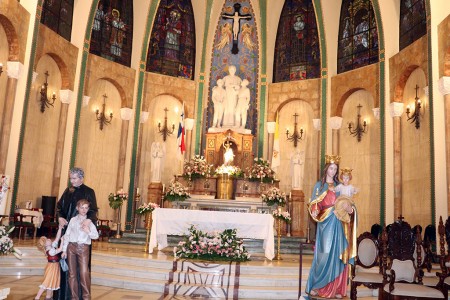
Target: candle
<point>279,209</point>
<point>290,195</point>
<point>137,191</point>
<point>164,188</point>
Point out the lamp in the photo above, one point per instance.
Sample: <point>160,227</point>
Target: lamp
<point>165,131</point>
<point>101,118</point>
<point>359,129</point>
<point>415,116</point>
<point>44,98</point>
<point>296,136</point>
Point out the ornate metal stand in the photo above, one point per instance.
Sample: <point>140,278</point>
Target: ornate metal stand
<point>278,256</point>
<point>137,200</point>
<point>119,222</point>
<point>148,226</point>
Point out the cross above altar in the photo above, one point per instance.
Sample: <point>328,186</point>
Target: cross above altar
<point>236,17</point>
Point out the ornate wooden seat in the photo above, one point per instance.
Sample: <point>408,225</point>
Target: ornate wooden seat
<point>49,224</point>
<point>104,230</point>
<point>367,269</point>
<point>403,279</point>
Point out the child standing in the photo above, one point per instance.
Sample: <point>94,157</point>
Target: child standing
<point>76,245</point>
<point>52,270</point>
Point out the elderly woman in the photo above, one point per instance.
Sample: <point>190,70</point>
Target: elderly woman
<point>66,209</point>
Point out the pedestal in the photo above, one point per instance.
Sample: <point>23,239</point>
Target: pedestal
<point>119,223</point>
<point>225,187</point>
<point>154,192</point>
<point>298,225</point>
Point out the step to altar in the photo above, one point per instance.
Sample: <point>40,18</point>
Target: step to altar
<point>288,245</point>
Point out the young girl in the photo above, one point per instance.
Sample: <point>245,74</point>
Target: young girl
<point>52,270</point>
<point>76,245</point>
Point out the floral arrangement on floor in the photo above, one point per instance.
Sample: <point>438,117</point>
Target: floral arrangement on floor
<point>273,196</point>
<point>116,199</point>
<point>6,243</point>
<point>197,167</point>
<point>176,192</point>
<point>232,171</point>
<point>282,215</point>
<point>146,208</point>
<point>211,246</point>
<point>260,171</point>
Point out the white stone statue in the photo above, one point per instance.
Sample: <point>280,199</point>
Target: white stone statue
<point>297,167</point>
<point>243,104</point>
<point>232,85</point>
<point>218,98</point>
<point>157,161</point>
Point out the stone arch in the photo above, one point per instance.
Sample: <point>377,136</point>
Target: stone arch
<point>282,104</point>
<point>400,85</point>
<point>123,97</point>
<point>341,102</point>
<point>11,35</point>
<point>173,96</point>
<point>66,83</point>
<point>447,62</point>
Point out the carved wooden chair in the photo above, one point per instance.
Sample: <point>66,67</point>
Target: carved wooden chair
<point>402,278</point>
<point>25,225</point>
<point>444,235</point>
<point>367,269</point>
<point>50,225</point>
<point>104,230</point>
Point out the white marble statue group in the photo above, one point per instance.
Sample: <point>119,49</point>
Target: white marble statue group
<point>231,99</point>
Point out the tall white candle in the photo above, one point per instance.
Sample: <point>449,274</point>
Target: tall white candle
<point>164,188</point>
<point>137,191</point>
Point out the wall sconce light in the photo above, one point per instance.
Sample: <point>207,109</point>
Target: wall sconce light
<point>101,118</point>
<point>415,116</point>
<point>297,135</point>
<point>165,131</point>
<point>1,69</point>
<point>44,98</point>
<point>359,129</point>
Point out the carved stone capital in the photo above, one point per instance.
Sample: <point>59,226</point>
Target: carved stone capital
<point>86,100</point>
<point>376,112</point>
<point>14,69</point>
<point>316,124</point>
<point>66,96</point>
<point>271,127</point>
<point>444,85</point>
<point>144,117</point>
<point>396,109</point>
<point>126,113</point>
<point>336,122</point>
<point>189,123</point>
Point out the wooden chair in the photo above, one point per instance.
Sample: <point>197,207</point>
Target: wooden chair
<point>367,270</point>
<point>48,225</point>
<point>104,230</point>
<point>444,235</point>
<point>402,278</point>
<point>25,225</point>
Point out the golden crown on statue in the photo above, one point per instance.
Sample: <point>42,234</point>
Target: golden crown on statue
<point>346,171</point>
<point>332,159</point>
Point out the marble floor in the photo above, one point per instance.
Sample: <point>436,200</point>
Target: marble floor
<point>26,287</point>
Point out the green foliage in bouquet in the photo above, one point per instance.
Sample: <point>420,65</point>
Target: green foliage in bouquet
<point>211,246</point>
<point>197,167</point>
<point>274,196</point>
<point>146,208</point>
<point>282,215</point>
<point>176,192</point>
<point>116,199</point>
<point>260,171</point>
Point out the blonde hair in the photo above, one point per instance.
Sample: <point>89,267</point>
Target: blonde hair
<point>82,202</point>
<point>41,244</point>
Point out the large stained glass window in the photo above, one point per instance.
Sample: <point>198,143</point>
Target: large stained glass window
<point>172,43</point>
<point>413,21</point>
<point>358,35</point>
<point>112,31</point>
<point>57,15</point>
<point>297,51</point>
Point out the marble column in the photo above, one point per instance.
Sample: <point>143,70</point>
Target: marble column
<point>14,72</point>
<point>335,124</point>
<point>188,125</point>
<point>270,132</point>
<point>396,109</point>
<point>65,96</point>
<point>142,119</point>
<point>126,115</point>
<point>444,88</point>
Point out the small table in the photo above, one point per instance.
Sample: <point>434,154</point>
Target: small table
<point>177,221</point>
<point>38,217</point>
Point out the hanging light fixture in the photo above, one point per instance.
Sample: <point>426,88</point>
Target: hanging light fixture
<point>360,129</point>
<point>101,118</point>
<point>165,131</point>
<point>45,102</point>
<point>415,116</point>
<point>296,135</point>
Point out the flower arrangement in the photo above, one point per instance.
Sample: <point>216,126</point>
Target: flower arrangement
<point>232,171</point>
<point>273,196</point>
<point>4,187</point>
<point>260,171</point>
<point>116,199</point>
<point>282,215</point>
<point>176,192</point>
<point>146,208</point>
<point>211,246</point>
<point>6,243</point>
<point>197,167</point>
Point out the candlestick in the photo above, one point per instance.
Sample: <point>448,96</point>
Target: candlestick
<point>164,188</point>
<point>137,191</point>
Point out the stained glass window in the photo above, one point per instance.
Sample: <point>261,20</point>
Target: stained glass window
<point>57,15</point>
<point>358,35</point>
<point>172,43</point>
<point>112,31</point>
<point>297,52</point>
<point>413,21</point>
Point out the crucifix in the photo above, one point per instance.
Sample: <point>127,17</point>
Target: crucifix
<point>236,17</point>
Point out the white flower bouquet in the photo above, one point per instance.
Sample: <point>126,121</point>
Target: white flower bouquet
<point>273,196</point>
<point>116,199</point>
<point>260,171</point>
<point>146,208</point>
<point>6,243</point>
<point>282,215</point>
<point>197,167</point>
<point>176,192</point>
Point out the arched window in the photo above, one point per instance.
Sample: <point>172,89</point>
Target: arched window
<point>112,31</point>
<point>297,51</point>
<point>57,15</point>
<point>413,21</point>
<point>358,35</point>
<point>172,43</point>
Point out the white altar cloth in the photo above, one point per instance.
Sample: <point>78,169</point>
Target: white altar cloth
<point>38,216</point>
<point>169,221</point>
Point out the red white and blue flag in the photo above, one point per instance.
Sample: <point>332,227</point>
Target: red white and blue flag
<point>181,136</point>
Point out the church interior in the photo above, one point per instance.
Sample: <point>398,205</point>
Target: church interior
<point>134,92</point>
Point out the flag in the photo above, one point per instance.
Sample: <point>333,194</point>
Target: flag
<point>181,137</point>
<point>276,160</point>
